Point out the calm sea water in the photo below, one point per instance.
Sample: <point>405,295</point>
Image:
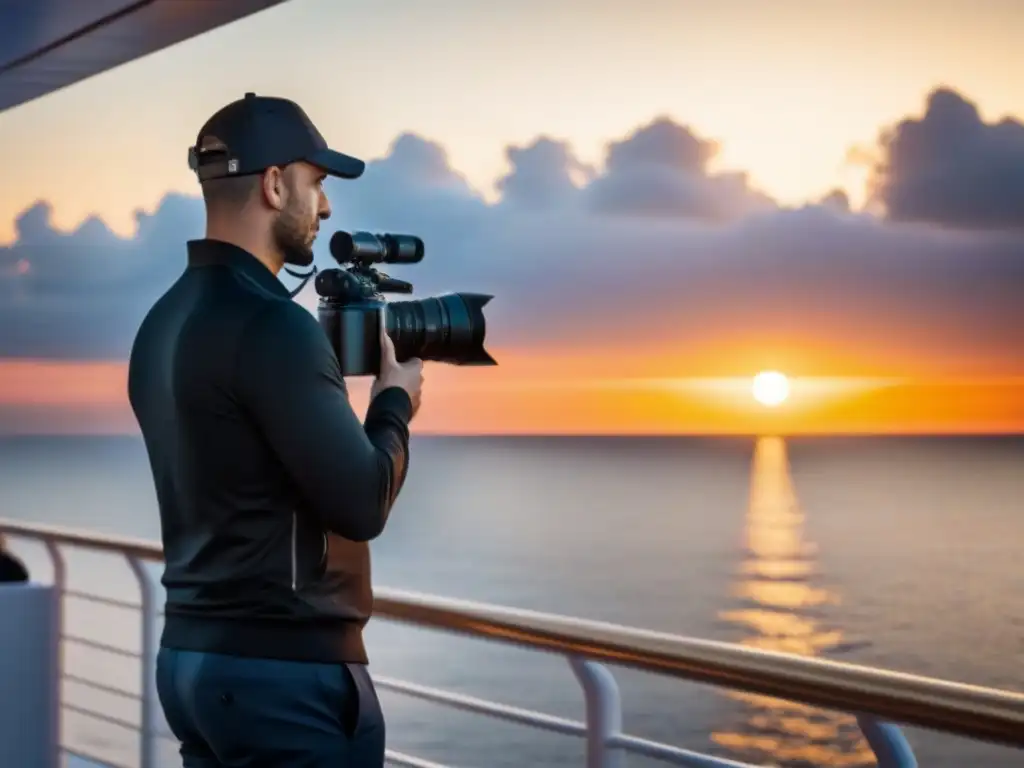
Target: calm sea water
<point>903,553</point>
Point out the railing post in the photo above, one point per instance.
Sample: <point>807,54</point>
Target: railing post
<point>147,660</point>
<point>604,712</point>
<point>891,748</point>
<point>60,580</point>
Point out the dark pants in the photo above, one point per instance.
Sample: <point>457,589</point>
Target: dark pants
<point>230,711</point>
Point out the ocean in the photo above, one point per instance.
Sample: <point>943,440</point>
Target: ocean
<point>897,552</point>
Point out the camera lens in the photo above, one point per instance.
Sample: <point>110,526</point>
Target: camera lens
<point>449,328</point>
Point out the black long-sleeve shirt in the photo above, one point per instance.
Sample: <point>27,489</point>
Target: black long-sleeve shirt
<point>268,485</point>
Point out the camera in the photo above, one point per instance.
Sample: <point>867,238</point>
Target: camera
<point>449,328</point>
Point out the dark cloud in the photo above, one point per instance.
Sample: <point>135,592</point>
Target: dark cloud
<point>652,249</point>
<point>662,170</point>
<point>81,294</point>
<point>544,174</point>
<point>949,167</point>
<point>412,184</point>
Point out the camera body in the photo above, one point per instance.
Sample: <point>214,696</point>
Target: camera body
<point>449,328</point>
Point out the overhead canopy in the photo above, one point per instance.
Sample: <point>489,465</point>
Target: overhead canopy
<point>48,44</point>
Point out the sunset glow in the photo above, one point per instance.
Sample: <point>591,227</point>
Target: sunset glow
<point>49,397</point>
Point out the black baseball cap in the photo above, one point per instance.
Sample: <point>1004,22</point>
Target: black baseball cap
<point>257,132</point>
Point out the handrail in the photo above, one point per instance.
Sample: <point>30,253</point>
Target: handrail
<point>120,545</point>
<point>964,710</point>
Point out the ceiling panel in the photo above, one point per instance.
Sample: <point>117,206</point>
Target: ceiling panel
<point>49,44</point>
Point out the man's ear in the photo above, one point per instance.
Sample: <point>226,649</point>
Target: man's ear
<point>274,188</point>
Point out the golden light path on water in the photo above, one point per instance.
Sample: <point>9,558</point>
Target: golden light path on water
<point>777,604</point>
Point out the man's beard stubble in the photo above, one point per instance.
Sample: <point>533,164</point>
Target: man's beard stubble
<point>292,236</point>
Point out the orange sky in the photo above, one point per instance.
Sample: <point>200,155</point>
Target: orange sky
<point>842,382</point>
<point>67,397</point>
<point>820,78</point>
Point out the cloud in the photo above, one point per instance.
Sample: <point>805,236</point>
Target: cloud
<point>662,169</point>
<point>838,200</point>
<point>949,167</point>
<point>653,251</point>
<point>544,174</point>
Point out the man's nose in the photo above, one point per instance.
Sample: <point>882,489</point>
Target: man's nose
<point>325,207</point>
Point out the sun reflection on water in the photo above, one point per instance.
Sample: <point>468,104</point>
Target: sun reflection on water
<point>778,608</point>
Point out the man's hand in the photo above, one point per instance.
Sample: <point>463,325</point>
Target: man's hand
<point>407,375</point>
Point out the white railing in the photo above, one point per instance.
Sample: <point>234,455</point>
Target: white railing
<point>877,697</point>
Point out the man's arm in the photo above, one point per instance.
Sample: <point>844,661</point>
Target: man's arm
<point>289,380</point>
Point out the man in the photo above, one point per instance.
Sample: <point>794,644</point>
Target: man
<point>269,487</point>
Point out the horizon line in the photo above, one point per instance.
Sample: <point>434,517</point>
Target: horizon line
<point>845,434</point>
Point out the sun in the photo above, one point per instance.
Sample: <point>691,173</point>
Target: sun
<point>770,388</point>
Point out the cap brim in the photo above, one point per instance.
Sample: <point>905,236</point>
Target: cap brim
<point>337,164</point>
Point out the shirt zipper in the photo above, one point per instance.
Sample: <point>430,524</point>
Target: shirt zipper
<point>295,554</point>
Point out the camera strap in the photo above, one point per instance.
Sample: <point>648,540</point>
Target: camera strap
<point>305,279</point>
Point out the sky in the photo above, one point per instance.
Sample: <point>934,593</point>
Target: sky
<point>664,197</point>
